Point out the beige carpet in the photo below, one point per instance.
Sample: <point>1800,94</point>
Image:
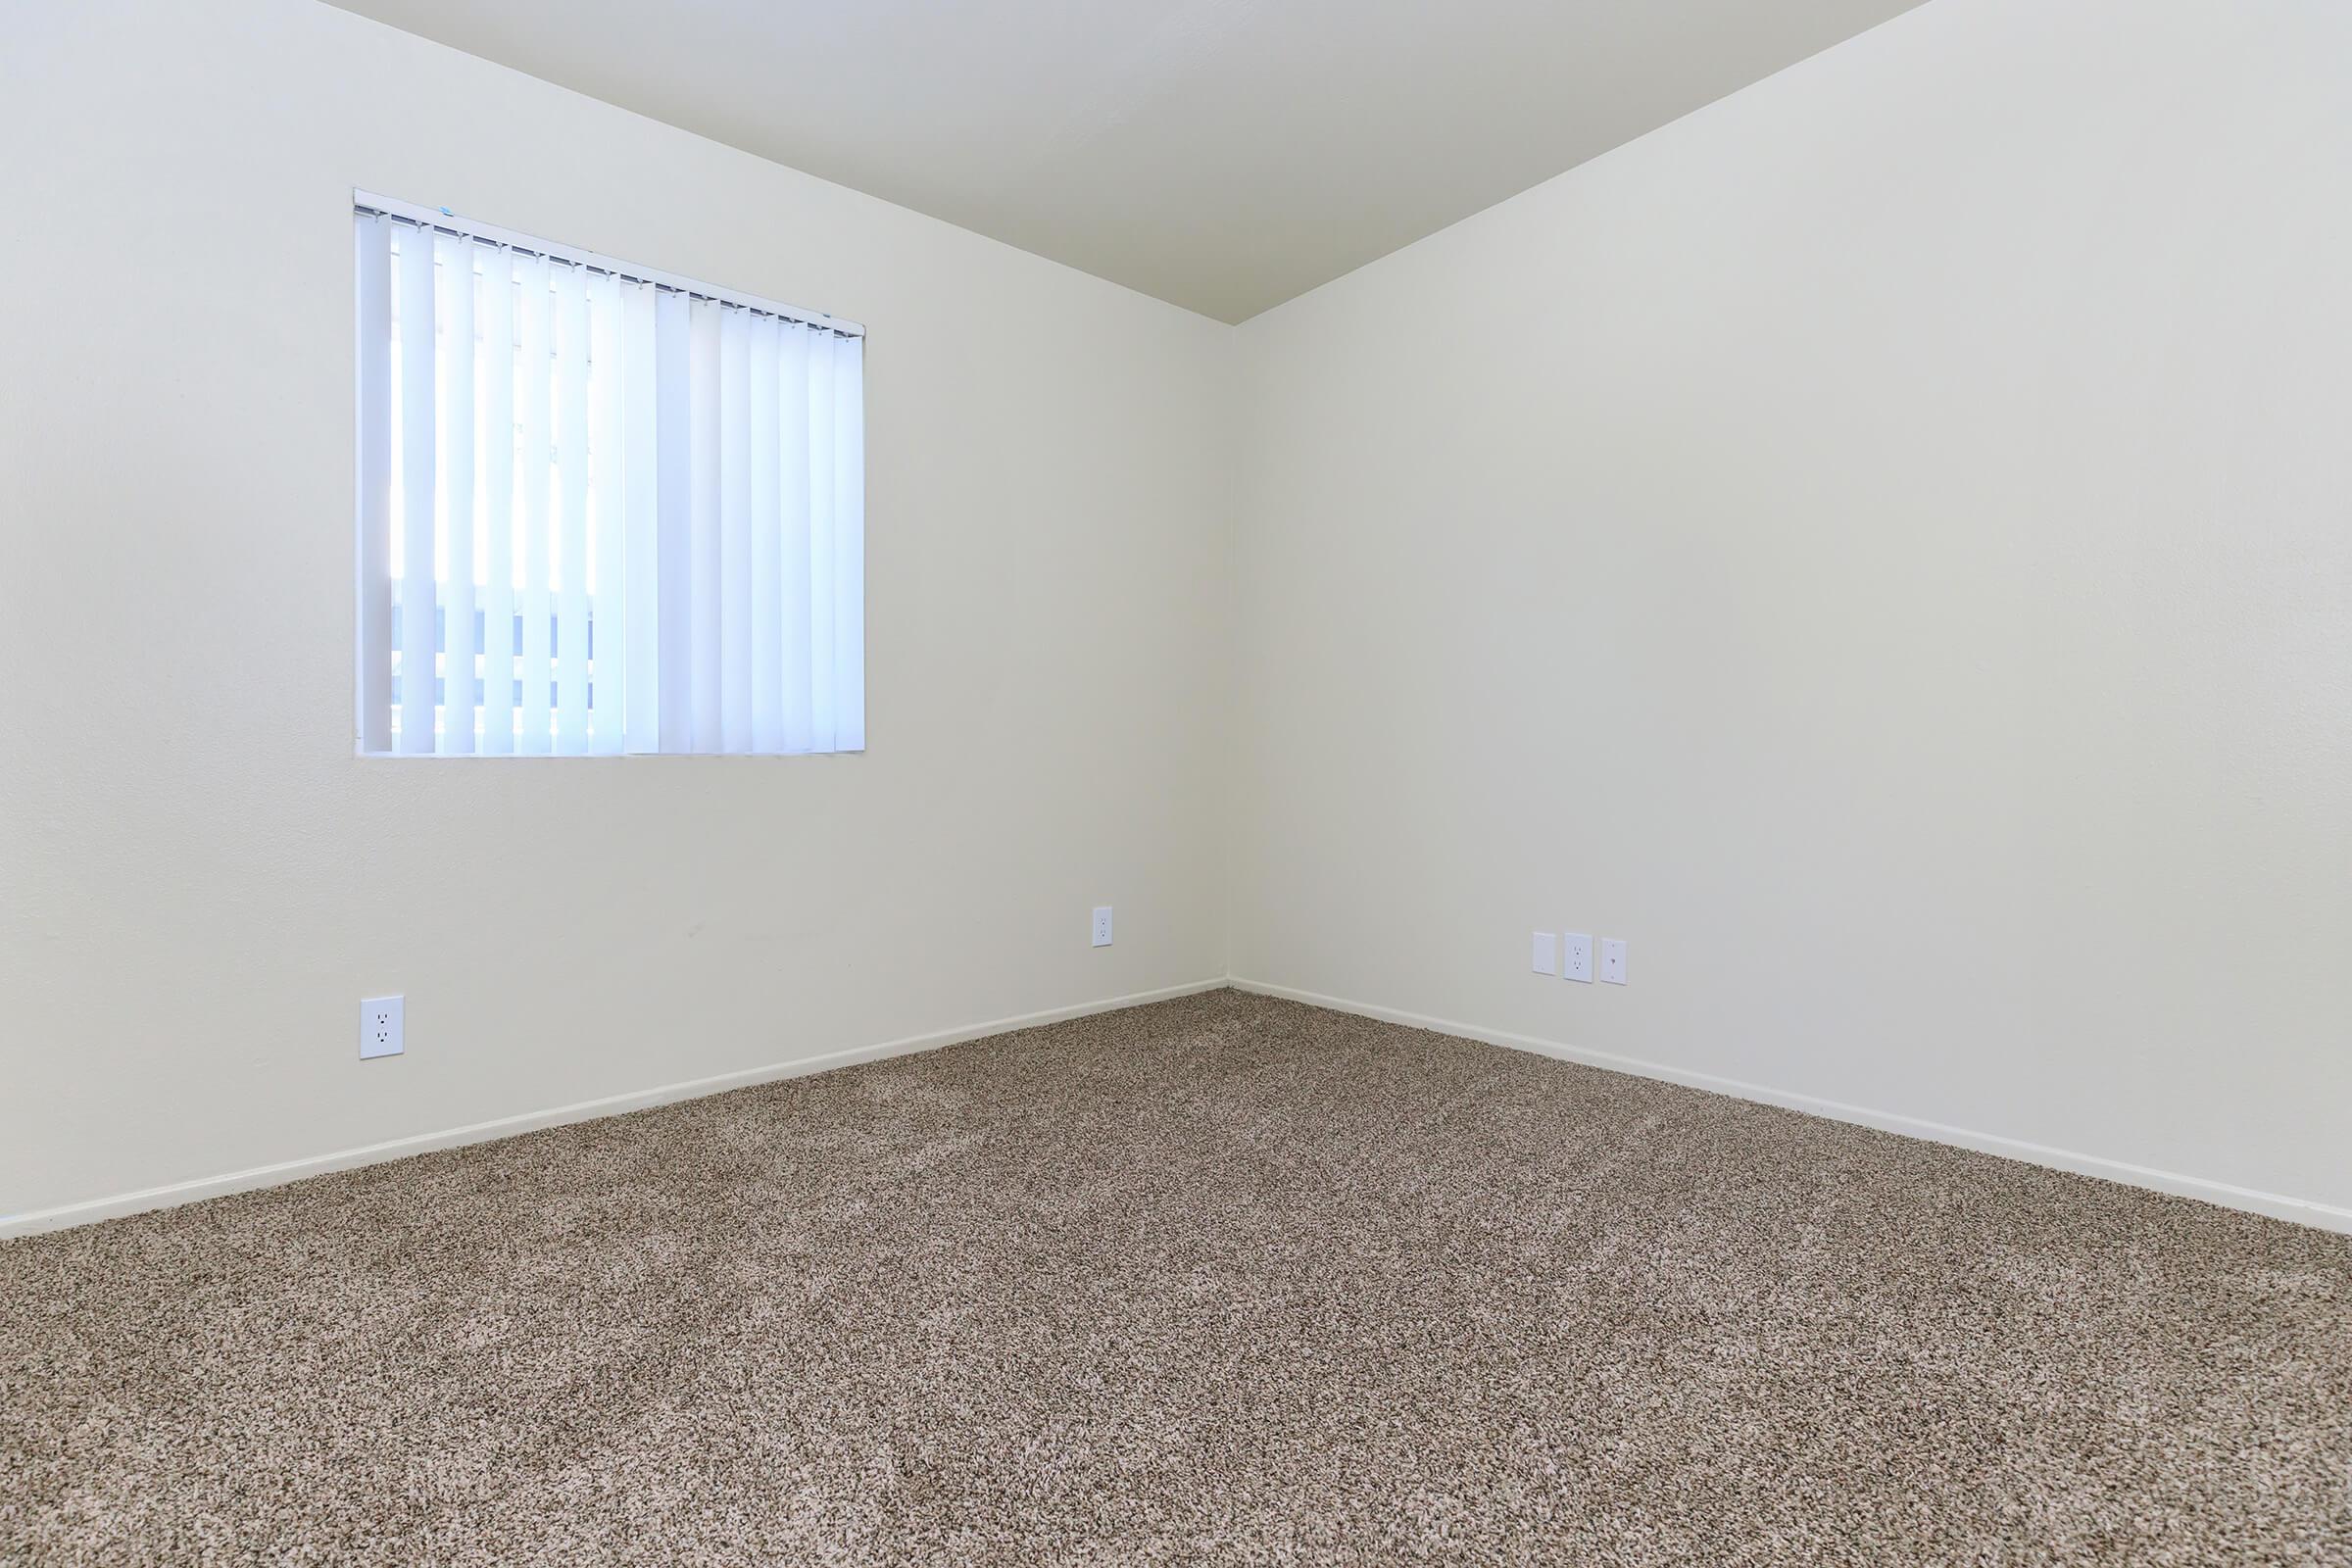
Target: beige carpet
<point>1223,1279</point>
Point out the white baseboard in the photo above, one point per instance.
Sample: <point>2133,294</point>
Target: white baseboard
<point>293,1171</point>
<point>2302,1211</point>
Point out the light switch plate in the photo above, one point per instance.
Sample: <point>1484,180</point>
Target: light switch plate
<point>1576,957</point>
<point>1612,960</point>
<point>1547,953</point>
<point>383,1026</point>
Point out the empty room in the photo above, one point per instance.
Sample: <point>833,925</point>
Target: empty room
<point>1548,782</point>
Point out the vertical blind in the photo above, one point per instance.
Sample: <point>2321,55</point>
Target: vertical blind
<point>600,512</point>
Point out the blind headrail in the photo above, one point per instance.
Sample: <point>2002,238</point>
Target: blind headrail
<point>441,222</point>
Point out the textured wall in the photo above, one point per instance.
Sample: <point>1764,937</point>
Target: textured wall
<point>198,882</point>
<point>1884,546</point>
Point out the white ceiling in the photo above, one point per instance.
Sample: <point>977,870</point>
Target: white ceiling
<point>1222,154</point>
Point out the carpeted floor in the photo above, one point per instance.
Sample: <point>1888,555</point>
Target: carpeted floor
<point>1222,1280</point>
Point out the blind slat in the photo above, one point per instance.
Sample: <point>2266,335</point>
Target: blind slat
<point>457,494</point>
<point>673,352</point>
<point>607,501</point>
<point>792,501</point>
<point>497,521</point>
<point>641,523</point>
<point>734,531</point>
<point>372,235</point>
<point>767,536</point>
<point>849,544</point>
<point>534,479</point>
<point>819,628</point>
<point>703,614</point>
<point>572,464</point>
<point>416,479</point>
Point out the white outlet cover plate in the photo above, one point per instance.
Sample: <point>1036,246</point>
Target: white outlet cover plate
<point>1612,960</point>
<point>1102,926</point>
<point>383,1027</point>
<point>1546,958</point>
<point>1576,957</point>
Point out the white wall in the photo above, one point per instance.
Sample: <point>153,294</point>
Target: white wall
<point>198,881</point>
<point>1883,544</point>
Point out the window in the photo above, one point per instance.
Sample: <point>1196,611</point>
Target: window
<point>600,510</point>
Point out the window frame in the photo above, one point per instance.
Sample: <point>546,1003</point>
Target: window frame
<point>444,221</point>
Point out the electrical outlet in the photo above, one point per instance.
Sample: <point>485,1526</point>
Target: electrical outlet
<point>1576,957</point>
<point>1612,960</point>
<point>382,1028</point>
<point>1102,926</point>
<point>1546,959</point>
